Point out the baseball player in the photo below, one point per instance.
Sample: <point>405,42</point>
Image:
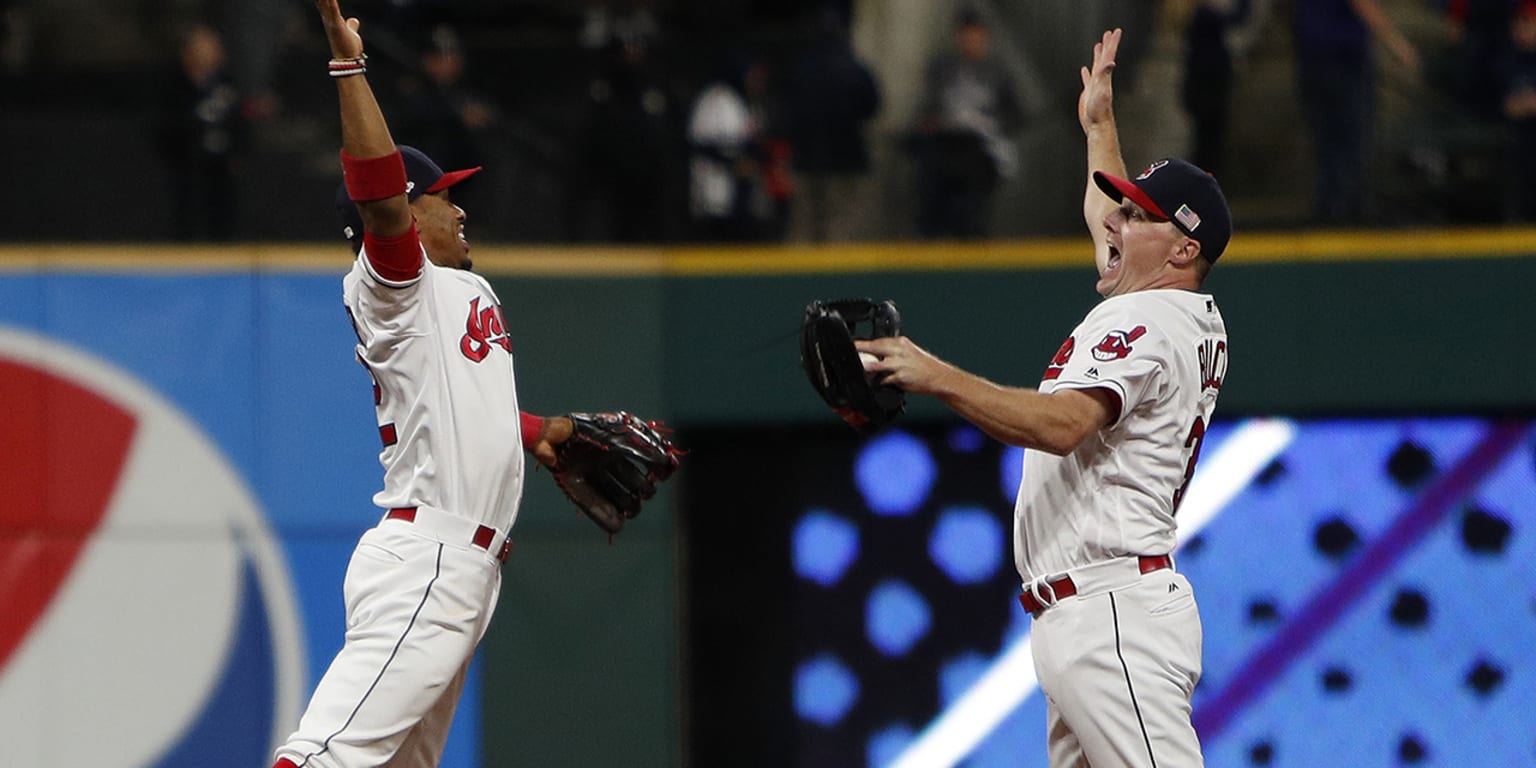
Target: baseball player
<point>1112,435</point>
<point>421,585</point>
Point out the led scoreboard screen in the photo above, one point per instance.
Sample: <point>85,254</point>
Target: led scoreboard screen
<point>851,601</point>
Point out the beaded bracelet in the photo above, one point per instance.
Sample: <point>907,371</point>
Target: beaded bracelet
<point>349,67</point>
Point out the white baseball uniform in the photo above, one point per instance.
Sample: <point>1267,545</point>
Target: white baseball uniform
<point>1118,659</point>
<point>422,584</point>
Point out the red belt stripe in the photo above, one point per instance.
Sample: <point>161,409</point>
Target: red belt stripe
<point>1063,587</point>
<point>483,537</point>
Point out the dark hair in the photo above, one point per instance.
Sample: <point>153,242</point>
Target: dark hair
<point>969,17</point>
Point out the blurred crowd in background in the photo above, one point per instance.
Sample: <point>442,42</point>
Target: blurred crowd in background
<point>736,121</point>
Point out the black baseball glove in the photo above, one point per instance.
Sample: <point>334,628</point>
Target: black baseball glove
<point>611,463</point>
<point>832,362</point>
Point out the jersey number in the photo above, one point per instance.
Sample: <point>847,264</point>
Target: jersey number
<point>1196,437</point>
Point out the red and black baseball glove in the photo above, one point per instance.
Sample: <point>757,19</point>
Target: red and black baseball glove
<point>611,463</point>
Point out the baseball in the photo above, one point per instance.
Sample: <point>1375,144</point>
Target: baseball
<point>868,359</point>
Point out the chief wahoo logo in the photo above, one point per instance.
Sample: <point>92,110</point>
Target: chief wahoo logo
<point>1117,344</point>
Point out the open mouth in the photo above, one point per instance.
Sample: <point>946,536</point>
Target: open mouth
<point>1113,262</point>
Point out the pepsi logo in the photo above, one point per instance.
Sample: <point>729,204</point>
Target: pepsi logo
<point>149,616</point>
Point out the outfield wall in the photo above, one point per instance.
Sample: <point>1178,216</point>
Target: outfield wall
<point>584,664</point>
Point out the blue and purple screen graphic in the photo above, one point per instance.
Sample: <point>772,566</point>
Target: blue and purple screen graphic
<point>1364,585</point>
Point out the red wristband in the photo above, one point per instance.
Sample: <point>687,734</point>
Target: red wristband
<point>532,426</point>
<point>373,178</point>
<point>396,259</point>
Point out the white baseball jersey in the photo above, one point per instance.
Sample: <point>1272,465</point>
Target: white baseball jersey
<point>1163,353</point>
<point>420,591</point>
<point>441,362</point>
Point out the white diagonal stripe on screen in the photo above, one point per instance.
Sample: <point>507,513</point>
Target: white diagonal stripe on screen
<point>1010,679</point>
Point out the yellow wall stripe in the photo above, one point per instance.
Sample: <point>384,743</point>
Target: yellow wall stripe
<point>700,261</point>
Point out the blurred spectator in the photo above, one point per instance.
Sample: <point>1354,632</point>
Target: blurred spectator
<point>1479,32</point>
<point>961,145</point>
<point>200,136</point>
<point>775,151</point>
<point>627,186</point>
<point>440,115</point>
<point>261,51</point>
<point>738,180</point>
<point>1519,78</point>
<point>1208,76</point>
<point>1336,81</point>
<point>634,23</point>
<point>830,96</point>
<point>15,38</point>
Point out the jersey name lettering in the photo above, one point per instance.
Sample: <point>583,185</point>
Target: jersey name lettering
<point>484,328</point>
<point>1213,363</point>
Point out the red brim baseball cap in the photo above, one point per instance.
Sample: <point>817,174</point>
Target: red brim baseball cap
<point>450,178</point>
<point>1180,192</point>
<point>423,176</point>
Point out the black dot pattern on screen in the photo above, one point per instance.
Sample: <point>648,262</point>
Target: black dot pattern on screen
<point>1335,538</point>
<point>1410,609</point>
<point>1192,546</point>
<point>1271,473</point>
<point>1485,677</point>
<point>1295,533</point>
<point>1262,611</point>
<point>1410,465</point>
<point>1337,680</point>
<point>1483,532</point>
<point>1261,753</point>
<point>1429,673</point>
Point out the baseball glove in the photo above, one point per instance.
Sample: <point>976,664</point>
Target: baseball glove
<point>611,463</point>
<point>832,362</point>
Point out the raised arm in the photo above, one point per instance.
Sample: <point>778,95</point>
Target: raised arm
<point>1382,27</point>
<point>1096,113</point>
<point>375,173</point>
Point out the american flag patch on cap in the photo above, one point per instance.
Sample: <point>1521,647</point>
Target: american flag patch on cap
<point>1187,217</point>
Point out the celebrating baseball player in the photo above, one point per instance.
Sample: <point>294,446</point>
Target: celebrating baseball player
<point>1112,435</point>
<point>422,584</point>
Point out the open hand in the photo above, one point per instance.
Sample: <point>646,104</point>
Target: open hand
<point>1097,103</point>
<point>345,41</point>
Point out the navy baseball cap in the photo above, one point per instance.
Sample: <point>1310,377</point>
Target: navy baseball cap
<point>1178,191</point>
<point>421,176</point>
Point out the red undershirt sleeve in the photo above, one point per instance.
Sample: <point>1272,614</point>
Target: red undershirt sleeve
<point>531,427</point>
<point>396,259</point>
